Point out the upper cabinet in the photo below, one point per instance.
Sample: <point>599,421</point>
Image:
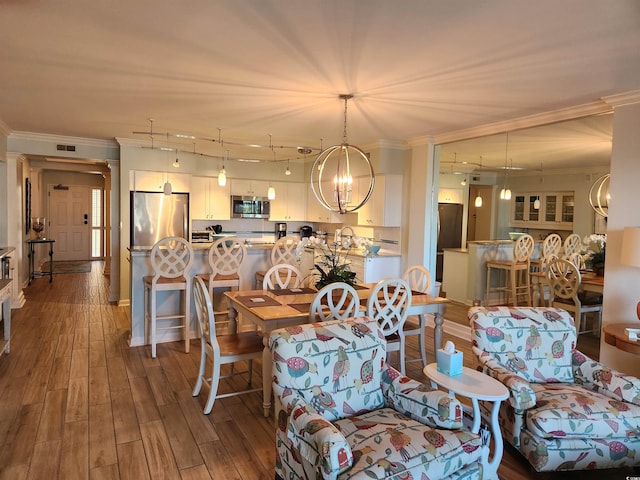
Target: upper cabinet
<point>209,201</point>
<point>150,181</point>
<point>450,195</point>
<point>249,188</point>
<point>290,202</point>
<point>555,210</point>
<point>384,208</point>
<point>317,213</point>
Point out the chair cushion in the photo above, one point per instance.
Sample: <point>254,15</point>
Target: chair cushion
<point>569,410</point>
<point>535,344</point>
<point>385,443</point>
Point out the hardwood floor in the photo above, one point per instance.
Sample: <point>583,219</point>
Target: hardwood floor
<point>77,402</point>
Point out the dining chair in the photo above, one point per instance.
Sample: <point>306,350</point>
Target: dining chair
<point>516,279</point>
<point>552,245</point>
<point>225,258</point>
<point>171,258</point>
<point>281,276</point>
<point>335,301</point>
<point>388,304</point>
<point>564,280</point>
<point>218,350</point>
<point>283,251</point>
<point>572,244</point>
<point>419,280</point>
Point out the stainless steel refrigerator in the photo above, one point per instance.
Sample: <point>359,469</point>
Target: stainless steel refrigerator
<point>155,215</point>
<point>449,232</point>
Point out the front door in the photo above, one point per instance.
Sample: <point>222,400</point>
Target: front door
<point>69,210</point>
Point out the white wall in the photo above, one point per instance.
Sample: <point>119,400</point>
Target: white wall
<point>622,284</point>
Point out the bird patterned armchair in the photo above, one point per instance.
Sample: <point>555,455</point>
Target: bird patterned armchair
<point>343,413</point>
<point>565,411</point>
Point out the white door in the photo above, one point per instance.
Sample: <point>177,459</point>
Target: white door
<point>69,222</point>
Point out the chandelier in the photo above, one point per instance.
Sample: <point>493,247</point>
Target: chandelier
<point>599,195</point>
<point>333,172</point>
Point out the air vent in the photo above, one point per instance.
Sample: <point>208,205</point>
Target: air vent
<point>66,148</point>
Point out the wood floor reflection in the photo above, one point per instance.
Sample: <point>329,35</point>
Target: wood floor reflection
<point>77,402</point>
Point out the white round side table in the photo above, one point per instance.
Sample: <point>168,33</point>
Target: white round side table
<point>476,386</point>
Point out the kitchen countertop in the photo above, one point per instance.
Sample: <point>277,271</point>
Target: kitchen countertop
<point>456,250</point>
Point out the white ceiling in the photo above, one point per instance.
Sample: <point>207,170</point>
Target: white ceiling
<point>273,69</point>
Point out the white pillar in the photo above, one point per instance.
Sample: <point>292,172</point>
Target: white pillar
<point>16,235</point>
<point>114,230</point>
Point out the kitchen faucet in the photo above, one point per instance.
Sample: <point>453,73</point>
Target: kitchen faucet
<point>340,233</point>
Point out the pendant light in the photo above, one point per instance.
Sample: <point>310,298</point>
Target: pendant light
<point>478,201</point>
<point>332,174</point>
<point>536,203</point>
<point>176,163</point>
<point>271,192</point>
<point>222,174</point>
<point>505,193</point>
<point>166,188</point>
<point>287,171</point>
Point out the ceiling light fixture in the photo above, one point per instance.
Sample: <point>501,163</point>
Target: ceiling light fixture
<point>176,162</point>
<point>271,191</point>
<point>505,193</point>
<point>478,201</point>
<point>333,170</point>
<point>287,171</point>
<point>166,188</point>
<point>536,203</point>
<point>599,195</point>
<point>222,174</point>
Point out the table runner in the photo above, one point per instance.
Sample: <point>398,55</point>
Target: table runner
<point>293,291</point>
<point>258,301</point>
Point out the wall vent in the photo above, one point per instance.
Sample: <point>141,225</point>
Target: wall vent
<point>66,148</point>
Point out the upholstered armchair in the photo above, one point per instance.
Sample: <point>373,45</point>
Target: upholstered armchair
<point>343,412</point>
<point>565,411</point>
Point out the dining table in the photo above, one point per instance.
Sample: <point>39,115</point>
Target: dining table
<point>273,309</point>
<point>589,282</point>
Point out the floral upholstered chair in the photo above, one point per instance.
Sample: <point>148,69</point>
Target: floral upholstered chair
<point>565,411</point>
<point>344,413</point>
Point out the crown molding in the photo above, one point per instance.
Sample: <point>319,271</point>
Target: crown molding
<point>622,99</point>
<point>43,137</point>
<point>594,108</point>
<point>4,129</point>
<point>133,142</point>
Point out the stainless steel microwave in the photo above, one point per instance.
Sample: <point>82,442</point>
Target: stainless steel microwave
<point>249,207</point>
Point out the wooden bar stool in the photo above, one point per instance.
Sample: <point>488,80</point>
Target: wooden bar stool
<point>171,258</point>
<point>225,258</point>
<point>283,251</point>
<point>516,282</point>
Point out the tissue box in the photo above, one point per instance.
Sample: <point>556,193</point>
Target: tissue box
<point>449,363</point>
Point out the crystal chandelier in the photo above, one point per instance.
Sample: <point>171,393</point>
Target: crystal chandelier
<point>333,172</point>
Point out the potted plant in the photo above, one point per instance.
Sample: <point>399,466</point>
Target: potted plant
<point>332,264</point>
<point>594,252</point>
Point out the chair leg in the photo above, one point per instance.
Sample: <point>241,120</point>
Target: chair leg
<point>422,339</point>
<point>203,362</point>
<point>401,354</point>
<point>153,322</point>
<point>488,287</point>
<point>513,286</point>
<point>187,318</point>
<point>250,370</point>
<point>215,380</point>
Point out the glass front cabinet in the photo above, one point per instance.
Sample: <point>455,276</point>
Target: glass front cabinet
<point>548,210</point>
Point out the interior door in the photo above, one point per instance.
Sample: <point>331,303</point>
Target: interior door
<point>69,217</point>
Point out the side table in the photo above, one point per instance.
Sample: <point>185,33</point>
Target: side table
<point>476,386</point>
<point>32,243</point>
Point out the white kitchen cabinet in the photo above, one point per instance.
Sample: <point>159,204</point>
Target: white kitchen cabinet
<point>372,269</point>
<point>450,195</point>
<point>290,202</point>
<point>384,207</point>
<point>555,210</point>
<point>317,213</point>
<point>249,188</point>
<point>151,181</point>
<point>209,201</point>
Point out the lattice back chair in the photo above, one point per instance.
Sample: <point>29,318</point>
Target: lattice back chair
<point>552,245</point>
<point>419,280</point>
<point>171,258</point>
<point>281,276</point>
<point>283,251</point>
<point>388,305</point>
<point>335,301</point>
<point>572,244</point>
<point>217,350</point>
<point>516,282</point>
<point>564,286</point>
<point>225,258</point>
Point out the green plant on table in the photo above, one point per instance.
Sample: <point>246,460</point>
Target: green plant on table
<point>594,251</point>
<point>332,265</point>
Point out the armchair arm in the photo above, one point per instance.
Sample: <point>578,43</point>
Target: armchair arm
<point>419,401</point>
<point>521,395</point>
<point>595,376</point>
<point>315,438</point>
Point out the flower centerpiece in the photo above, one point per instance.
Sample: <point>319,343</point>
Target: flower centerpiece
<point>331,264</point>
<point>594,251</point>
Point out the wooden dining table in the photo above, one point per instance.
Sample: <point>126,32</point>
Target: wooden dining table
<point>273,309</point>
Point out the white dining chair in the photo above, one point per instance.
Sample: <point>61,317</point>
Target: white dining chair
<point>281,276</point>
<point>283,251</point>
<point>572,244</point>
<point>388,305</point>
<point>335,301</point>
<point>419,280</point>
<point>217,350</point>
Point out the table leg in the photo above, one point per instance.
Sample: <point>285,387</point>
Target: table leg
<point>438,319</point>
<point>267,373</point>
<point>30,263</point>
<point>423,346</point>
<point>50,262</point>
<point>491,472</point>
<point>232,317</point>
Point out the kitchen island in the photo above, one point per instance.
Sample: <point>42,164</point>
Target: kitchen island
<point>140,266</point>
<point>464,276</point>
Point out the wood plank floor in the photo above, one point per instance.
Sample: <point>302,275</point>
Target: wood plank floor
<point>77,402</point>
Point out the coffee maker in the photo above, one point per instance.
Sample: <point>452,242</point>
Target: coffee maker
<point>306,231</point>
<point>281,230</point>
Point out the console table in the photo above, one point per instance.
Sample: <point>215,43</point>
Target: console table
<point>5,299</point>
<point>32,243</point>
<point>615,336</point>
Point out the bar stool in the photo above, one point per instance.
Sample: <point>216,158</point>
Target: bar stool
<point>517,281</point>
<point>171,258</point>
<point>283,251</point>
<point>572,245</point>
<point>225,258</point>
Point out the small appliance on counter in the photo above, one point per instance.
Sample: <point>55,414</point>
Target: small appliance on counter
<point>281,230</point>
<point>217,229</point>
<point>306,231</point>
<point>201,236</point>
